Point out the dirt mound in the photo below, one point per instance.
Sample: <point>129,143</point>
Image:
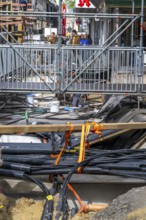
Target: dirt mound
<point>20,209</point>
<point>129,206</point>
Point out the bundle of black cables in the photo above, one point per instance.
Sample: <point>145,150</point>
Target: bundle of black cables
<point>26,160</point>
<point>63,196</point>
<point>48,207</point>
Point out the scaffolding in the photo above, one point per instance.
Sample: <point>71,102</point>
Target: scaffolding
<point>105,68</point>
<point>15,24</point>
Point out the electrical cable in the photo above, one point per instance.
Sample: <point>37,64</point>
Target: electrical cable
<point>85,162</point>
<point>48,207</point>
<point>29,163</point>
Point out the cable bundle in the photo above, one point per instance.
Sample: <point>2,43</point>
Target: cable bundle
<point>26,160</point>
<point>39,160</point>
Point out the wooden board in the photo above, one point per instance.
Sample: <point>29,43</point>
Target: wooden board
<point>10,129</point>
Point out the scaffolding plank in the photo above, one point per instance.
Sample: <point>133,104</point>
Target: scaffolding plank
<point>9,129</point>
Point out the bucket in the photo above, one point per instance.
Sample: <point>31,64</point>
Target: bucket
<point>54,106</point>
<point>30,99</point>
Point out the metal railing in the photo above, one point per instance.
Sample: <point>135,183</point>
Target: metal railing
<point>16,74</point>
<point>114,71</point>
<point>77,69</point>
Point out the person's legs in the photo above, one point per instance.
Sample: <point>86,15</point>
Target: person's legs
<point>75,101</point>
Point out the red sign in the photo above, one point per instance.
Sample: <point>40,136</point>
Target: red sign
<point>63,20</point>
<point>84,3</point>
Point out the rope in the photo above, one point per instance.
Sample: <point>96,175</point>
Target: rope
<point>58,157</point>
<point>67,135</point>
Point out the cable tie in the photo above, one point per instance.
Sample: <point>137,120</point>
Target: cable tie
<point>49,197</point>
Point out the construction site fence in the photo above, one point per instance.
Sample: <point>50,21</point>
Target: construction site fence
<point>77,69</point>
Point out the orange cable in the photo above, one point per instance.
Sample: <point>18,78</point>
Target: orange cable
<point>84,134</point>
<point>67,135</point>
<point>58,156</point>
<point>74,193</point>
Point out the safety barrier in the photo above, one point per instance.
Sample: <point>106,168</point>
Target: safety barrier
<point>78,69</point>
<point>115,70</point>
<point>81,69</point>
<point>28,68</point>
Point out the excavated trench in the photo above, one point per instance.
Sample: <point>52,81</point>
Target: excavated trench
<point>129,206</point>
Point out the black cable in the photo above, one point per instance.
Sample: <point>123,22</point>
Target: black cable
<point>124,162</point>
<point>48,207</point>
<point>85,162</point>
<point>67,179</point>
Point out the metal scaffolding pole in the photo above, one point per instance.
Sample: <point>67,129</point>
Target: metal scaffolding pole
<point>10,34</point>
<point>56,14</point>
<point>59,70</point>
<point>140,74</point>
<point>116,31</point>
<point>60,24</point>
<point>132,26</point>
